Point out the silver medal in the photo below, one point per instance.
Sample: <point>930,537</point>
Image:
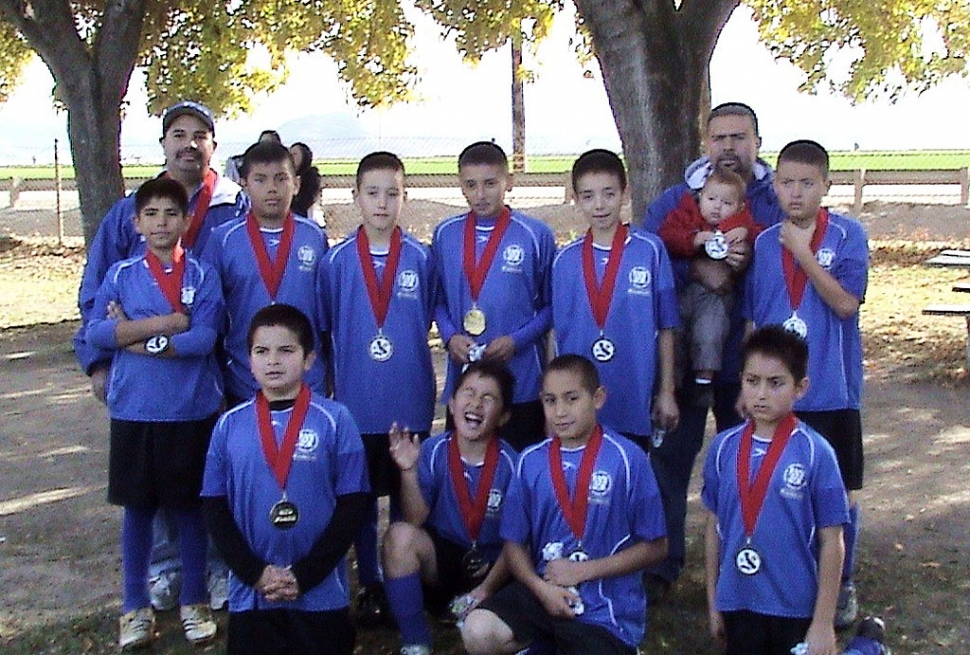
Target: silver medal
<point>380,348</point>
<point>796,325</point>
<point>603,349</point>
<point>717,246</point>
<point>748,561</point>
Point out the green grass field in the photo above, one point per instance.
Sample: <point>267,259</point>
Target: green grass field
<point>905,160</point>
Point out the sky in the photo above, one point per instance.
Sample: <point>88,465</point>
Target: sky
<point>457,103</point>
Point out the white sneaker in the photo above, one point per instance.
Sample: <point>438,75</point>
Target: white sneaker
<point>136,628</point>
<point>415,649</point>
<point>197,623</point>
<point>218,584</point>
<point>163,590</point>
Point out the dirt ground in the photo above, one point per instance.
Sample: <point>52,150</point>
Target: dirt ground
<point>59,556</point>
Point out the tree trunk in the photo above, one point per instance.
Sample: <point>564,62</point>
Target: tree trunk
<point>92,79</point>
<point>655,61</point>
<point>518,108</point>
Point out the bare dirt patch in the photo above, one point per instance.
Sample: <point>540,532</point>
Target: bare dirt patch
<point>59,561</point>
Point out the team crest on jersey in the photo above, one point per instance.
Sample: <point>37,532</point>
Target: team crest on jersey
<point>188,296</point>
<point>408,284</point>
<point>494,502</point>
<point>825,257</point>
<point>306,256</point>
<point>553,550</point>
<point>306,445</point>
<point>512,258</point>
<point>600,486</point>
<point>795,478</point>
<point>639,279</point>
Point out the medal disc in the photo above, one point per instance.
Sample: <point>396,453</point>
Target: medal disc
<point>796,325</point>
<point>603,349</point>
<point>717,246</point>
<point>578,555</point>
<point>475,564</point>
<point>748,561</point>
<point>380,348</point>
<point>284,515</point>
<point>474,322</point>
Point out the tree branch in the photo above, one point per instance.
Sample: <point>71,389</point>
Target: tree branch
<point>48,25</point>
<point>703,20</point>
<point>116,45</point>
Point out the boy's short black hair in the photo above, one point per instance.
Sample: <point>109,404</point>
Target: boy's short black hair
<point>498,371</point>
<point>270,135</point>
<point>728,178</point>
<point>381,160</point>
<point>806,151</point>
<point>589,377</point>
<point>483,152</point>
<point>778,343</point>
<point>266,152</point>
<point>734,109</point>
<point>599,160</point>
<point>286,316</point>
<point>162,187</point>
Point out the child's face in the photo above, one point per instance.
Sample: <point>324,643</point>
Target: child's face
<point>718,201</point>
<point>569,407</point>
<point>800,189</point>
<point>768,389</point>
<point>484,187</point>
<point>477,408</point>
<point>162,223</point>
<point>600,197</point>
<point>278,361</point>
<point>271,187</point>
<point>380,198</point>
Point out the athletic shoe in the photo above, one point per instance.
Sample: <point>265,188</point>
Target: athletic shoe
<point>136,628</point>
<point>415,649</point>
<point>847,608</point>
<point>371,610</point>
<point>218,584</point>
<point>163,590</point>
<point>197,623</point>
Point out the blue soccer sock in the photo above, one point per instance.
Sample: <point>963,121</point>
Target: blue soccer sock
<point>368,565</point>
<point>192,549</point>
<point>136,548</point>
<point>406,599</point>
<point>851,537</point>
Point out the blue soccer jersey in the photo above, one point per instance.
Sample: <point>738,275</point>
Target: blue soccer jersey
<point>834,344</point>
<point>805,494</point>
<point>231,252</point>
<point>515,296</point>
<point>116,240</point>
<point>438,491</point>
<point>150,388</point>
<point>328,462</point>
<point>381,385</point>
<point>644,302</point>
<point>624,507</point>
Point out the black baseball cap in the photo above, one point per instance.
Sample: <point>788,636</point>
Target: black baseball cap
<point>191,108</point>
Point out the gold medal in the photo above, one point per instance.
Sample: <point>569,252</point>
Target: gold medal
<point>474,322</point>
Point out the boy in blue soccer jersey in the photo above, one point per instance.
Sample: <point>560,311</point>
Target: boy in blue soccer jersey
<point>776,506</point>
<point>494,269</point>
<point>582,519</point>
<point>377,289</point>
<point>810,274</point>
<point>159,314</point>
<point>453,488</point>
<point>613,300</point>
<point>284,494</point>
<point>271,256</point>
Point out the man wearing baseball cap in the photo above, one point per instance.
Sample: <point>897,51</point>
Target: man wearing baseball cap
<point>188,132</point>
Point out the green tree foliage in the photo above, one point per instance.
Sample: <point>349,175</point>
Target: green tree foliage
<point>14,55</point>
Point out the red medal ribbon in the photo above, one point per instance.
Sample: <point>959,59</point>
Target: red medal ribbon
<point>575,510</point>
<point>271,272</point>
<point>379,292</point>
<point>201,208</point>
<point>472,513</point>
<point>280,459</point>
<point>475,273</point>
<point>601,297</point>
<point>171,284</point>
<point>795,277</point>
<point>753,493</point>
